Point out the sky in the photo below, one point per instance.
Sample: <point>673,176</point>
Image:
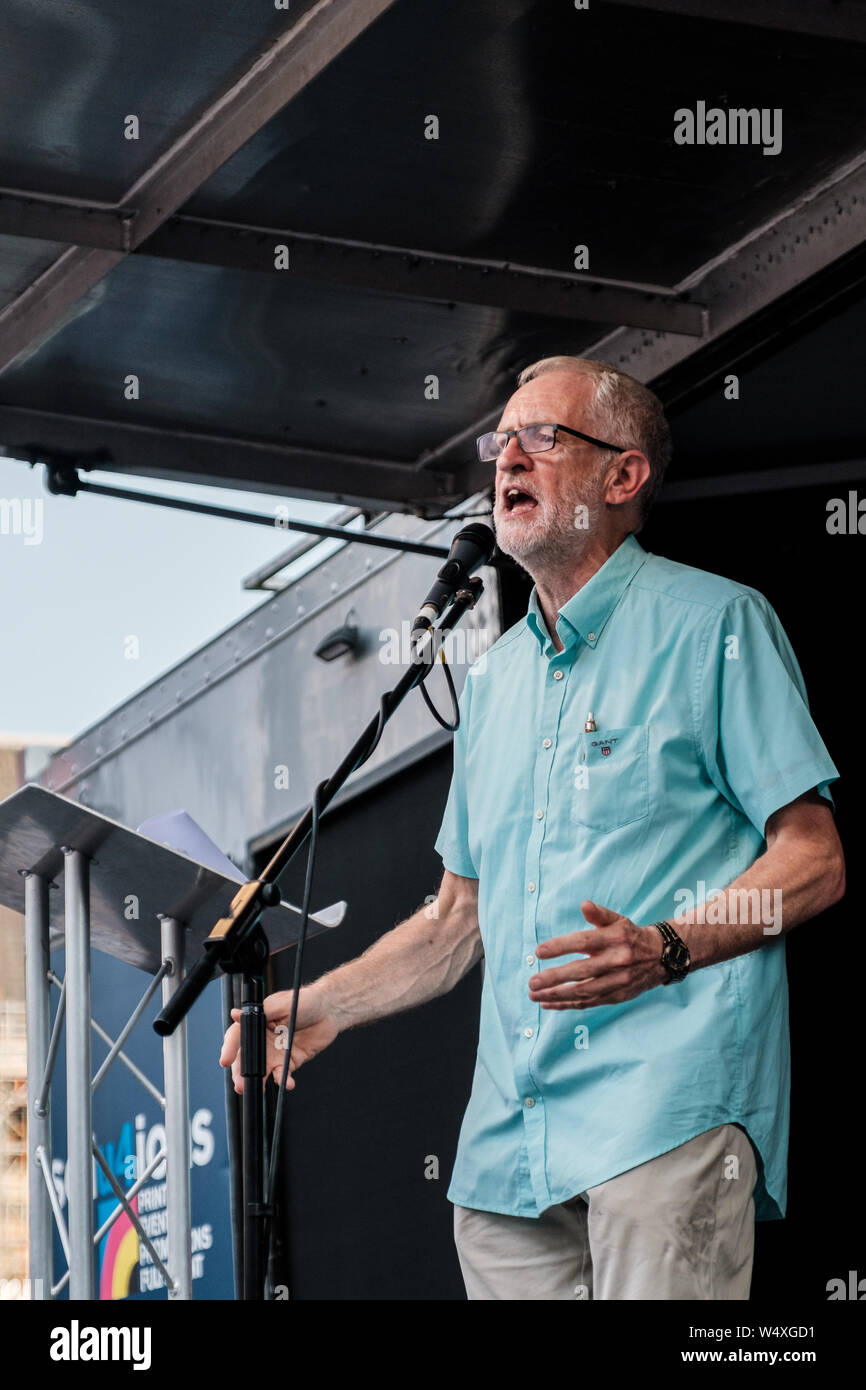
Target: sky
<point>80,576</point>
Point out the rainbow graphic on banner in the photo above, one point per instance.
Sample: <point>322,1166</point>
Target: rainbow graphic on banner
<point>119,1258</point>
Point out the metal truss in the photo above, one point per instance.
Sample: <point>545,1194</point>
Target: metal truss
<point>73,1013</point>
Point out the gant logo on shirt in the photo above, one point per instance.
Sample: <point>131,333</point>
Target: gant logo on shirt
<point>605,744</point>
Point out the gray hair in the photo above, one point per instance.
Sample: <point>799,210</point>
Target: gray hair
<point>622,410</point>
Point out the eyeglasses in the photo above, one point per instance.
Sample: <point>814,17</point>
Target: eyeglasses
<point>533,439</point>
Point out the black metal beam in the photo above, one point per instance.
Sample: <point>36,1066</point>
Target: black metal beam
<point>765,333</point>
<point>417,274</point>
<point>197,457</point>
<point>764,480</point>
<point>277,75</point>
<point>428,275</point>
<point>73,221</point>
<point>844,20</point>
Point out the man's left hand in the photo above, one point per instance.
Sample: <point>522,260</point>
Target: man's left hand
<point>623,961</point>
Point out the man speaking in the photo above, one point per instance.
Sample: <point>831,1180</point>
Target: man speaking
<point>638,814</point>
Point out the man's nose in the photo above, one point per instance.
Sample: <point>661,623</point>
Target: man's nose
<point>513,455</point>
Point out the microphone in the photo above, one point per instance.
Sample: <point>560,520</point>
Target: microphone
<point>470,549</point>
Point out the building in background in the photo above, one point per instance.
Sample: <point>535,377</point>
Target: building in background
<point>22,757</point>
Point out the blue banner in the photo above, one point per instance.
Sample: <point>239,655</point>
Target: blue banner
<point>128,1126</point>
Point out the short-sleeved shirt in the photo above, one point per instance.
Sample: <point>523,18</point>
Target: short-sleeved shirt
<point>702,731</point>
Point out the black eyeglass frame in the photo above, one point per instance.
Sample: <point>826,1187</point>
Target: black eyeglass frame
<point>579,434</point>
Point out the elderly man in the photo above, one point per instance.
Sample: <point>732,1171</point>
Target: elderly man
<point>638,814</point>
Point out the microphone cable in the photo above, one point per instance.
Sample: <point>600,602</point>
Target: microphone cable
<point>452,728</point>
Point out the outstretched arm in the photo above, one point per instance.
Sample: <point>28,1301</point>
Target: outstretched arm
<point>423,957</point>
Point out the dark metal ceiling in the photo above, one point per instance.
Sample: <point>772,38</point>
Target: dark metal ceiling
<point>409,257</point>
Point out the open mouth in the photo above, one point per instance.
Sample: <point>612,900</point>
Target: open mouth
<point>515,501</point>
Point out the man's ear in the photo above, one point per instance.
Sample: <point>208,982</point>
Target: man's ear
<point>627,474</point>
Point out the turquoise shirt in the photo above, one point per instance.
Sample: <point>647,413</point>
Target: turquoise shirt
<point>702,732</point>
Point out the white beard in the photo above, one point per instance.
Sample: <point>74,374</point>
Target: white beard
<point>547,536</point>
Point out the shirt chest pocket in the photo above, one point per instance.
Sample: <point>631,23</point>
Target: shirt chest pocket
<point>611,778</point>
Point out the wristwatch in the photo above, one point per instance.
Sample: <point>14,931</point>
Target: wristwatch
<point>675,953</point>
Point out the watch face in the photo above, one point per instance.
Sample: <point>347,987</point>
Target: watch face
<point>676,955</point>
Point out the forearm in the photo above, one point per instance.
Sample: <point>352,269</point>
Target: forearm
<point>420,959</point>
<point>782,888</point>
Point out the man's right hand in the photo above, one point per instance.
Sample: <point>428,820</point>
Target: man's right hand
<point>315,1028</point>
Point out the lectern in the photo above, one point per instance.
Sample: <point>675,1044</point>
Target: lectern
<point>151,906</point>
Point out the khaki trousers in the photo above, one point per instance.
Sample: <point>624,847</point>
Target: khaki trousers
<point>681,1226</point>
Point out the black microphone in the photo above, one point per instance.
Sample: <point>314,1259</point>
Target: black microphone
<point>470,549</point>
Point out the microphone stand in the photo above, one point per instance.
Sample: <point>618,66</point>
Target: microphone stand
<point>237,945</point>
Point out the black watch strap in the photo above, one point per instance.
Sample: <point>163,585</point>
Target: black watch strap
<point>675,953</point>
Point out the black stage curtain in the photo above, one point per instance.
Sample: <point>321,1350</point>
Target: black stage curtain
<point>778,543</point>
<point>375,1118</point>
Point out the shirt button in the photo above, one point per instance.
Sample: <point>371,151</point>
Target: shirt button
<point>531,887</point>
<point>528,1032</point>
<point>539,815</point>
<point>557,675</point>
<point>547,743</point>
<point>530,960</point>
<point>590,637</point>
<point>529,1102</point>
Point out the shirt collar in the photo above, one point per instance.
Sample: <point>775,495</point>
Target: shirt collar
<point>586,612</point>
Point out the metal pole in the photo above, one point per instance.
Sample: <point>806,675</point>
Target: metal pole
<point>116,1044</point>
<point>253,1070</point>
<point>79,1119</point>
<point>174,1055</point>
<point>36,918</point>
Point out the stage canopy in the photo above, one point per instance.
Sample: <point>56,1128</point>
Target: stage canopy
<point>304,250</point>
